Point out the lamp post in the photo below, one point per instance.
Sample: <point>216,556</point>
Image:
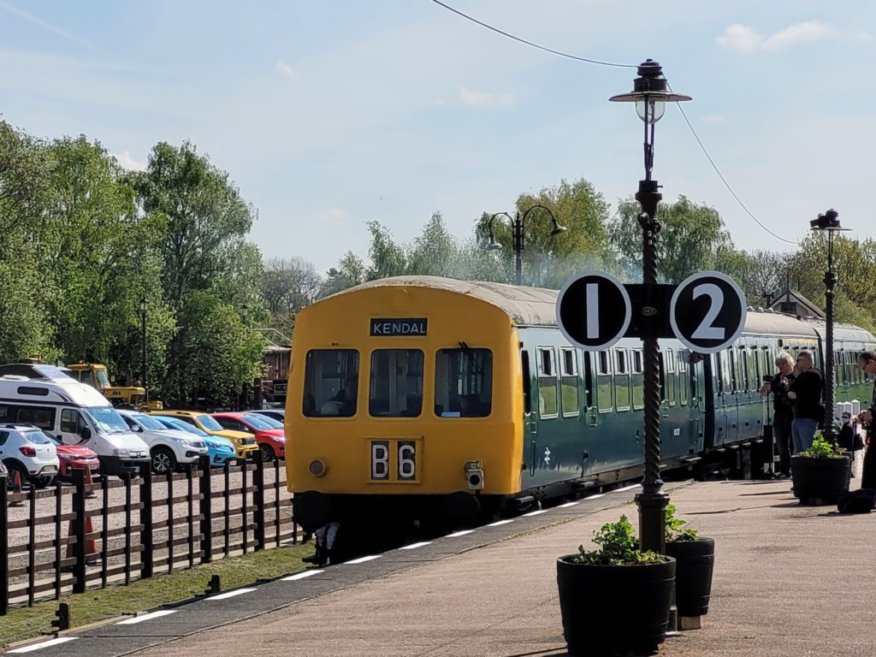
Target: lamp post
<point>829,223</point>
<point>517,225</point>
<point>650,95</point>
<point>144,307</point>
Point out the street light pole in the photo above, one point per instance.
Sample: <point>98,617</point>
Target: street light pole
<point>650,95</point>
<point>144,307</point>
<point>517,239</point>
<point>829,223</point>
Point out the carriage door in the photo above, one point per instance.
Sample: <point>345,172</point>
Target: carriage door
<point>530,422</point>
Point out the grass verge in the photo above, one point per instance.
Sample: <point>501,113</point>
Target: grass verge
<point>141,595</point>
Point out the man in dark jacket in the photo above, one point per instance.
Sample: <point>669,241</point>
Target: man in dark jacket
<point>805,394</point>
<point>867,363</point>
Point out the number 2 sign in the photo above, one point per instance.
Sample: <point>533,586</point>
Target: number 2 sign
<point>707,311</point>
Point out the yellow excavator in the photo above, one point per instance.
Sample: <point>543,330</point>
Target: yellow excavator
<point>96,375</point>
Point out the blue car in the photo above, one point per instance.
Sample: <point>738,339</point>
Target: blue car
<point>220,450</point>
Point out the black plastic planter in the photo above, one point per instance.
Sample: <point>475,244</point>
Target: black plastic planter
<point>693,574</point>
<point>614,610</point>
<point>820,480</point>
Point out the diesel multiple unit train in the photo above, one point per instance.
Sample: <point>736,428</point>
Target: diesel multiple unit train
<point>418,399</point>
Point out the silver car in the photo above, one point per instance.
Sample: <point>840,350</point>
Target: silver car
<point>29,452</point>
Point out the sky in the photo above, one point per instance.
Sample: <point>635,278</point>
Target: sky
<point>329,114</point>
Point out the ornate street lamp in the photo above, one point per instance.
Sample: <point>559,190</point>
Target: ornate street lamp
<point>517,225</point>
<point>144,308</point>
<point>650,94</point>
<point>829,223</point>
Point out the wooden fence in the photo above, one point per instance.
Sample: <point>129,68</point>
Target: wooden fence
<point>67,538</point>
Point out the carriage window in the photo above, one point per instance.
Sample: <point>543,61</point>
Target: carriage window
<point>463,382</point>
<point>621,380</point>
<point>751,369</point>
<point>681,360</point>
<point>603,382</point>
<point>569,381</point>
<point>396,387</point>
<point>637,379</point>
<point>739,370</point>
<point>331,379</point>
<point>547,383</point>
<point>670,380</point>
<point>726,381</point>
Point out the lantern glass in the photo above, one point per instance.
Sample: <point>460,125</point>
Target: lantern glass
<point>655,109</point>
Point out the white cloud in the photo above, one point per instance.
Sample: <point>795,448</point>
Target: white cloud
<point>285,69</point>
<point>331,215</point>
<point>471,98</point>
<point>127,162</point>
<point>743,38</point>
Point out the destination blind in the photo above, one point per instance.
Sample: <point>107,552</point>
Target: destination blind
<point>395,326</point>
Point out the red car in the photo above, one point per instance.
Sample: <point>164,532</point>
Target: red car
<point>270,437</point>
<point>74,456</point>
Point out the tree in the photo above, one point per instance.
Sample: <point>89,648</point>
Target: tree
<point>287,286</point>
<point>349,272</point>
<point>692,238</point>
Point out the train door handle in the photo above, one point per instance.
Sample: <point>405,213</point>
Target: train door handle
<point>532,459</point>
<point>638,436</point>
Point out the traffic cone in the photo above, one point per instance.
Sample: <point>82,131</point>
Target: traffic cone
<point>89,492</point>
<point>16,487</point>
<point>91,552</point>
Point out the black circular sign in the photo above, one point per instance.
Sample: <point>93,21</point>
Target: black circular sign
<point>707,311</point>
<point>593,310</point>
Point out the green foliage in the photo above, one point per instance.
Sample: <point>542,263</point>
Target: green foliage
<point>675,527</point>
<point>821,449</point>
<point>618,546</point>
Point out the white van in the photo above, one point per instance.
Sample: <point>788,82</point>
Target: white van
<point>76,413</point>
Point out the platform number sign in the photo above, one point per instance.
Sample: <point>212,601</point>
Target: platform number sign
<point>593,310</point>
<point>707,311</point>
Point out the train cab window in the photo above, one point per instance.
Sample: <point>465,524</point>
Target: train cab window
<point>681,362</point>
<point>604,401</point>
<point>463,382</point>
<point>527,382</point>
<point>621,380</point>
<point>331,383</point>
<point>637,379</point>
<point>569,381</point>
<point>670,381</point>
<point>396,386</point>
<point>548,405</point>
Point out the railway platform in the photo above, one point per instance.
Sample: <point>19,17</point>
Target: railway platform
<point>789,580</point>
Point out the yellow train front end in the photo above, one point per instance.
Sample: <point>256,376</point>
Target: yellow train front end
<point>401,408</point>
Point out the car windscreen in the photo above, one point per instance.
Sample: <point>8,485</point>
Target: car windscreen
<point>149,422</point>
<point>259,422</point>
<point>274,422</point>
<point>38,438</point>
<point>107,420</point>
<point>209,423</point>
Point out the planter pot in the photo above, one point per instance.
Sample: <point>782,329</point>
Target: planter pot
<point>614,610</point>
<point>693,574</point>
<point>820,480</point>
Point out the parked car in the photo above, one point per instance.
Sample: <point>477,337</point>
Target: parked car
<point>71,457</point>
<point>169,449</point>
<point>278,414</point>
<point>220,450</point>
<point>271,440</point>
<point>30,452</point>
<point>244,443</point>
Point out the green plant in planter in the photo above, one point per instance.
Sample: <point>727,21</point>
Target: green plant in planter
<point>821,449</point>
<point>675,527</point>
<point>618,546</point>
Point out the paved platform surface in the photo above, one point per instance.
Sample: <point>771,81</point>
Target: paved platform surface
<point>789,580</point>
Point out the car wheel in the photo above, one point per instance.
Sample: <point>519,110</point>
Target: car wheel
<point>43,482</point>
<point>163,460</point>
<point>13,467</point>
<point>267,453</point>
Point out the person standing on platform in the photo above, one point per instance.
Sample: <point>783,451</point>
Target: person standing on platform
<point>783,412</point>
<point>867,363</point>
<point>805,394</point>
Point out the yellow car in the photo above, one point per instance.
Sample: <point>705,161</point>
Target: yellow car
<point>244,443</point>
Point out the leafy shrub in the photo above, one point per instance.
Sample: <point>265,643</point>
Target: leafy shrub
<point>675,527</point>
<point>618,546</point>
<point>821,449</point>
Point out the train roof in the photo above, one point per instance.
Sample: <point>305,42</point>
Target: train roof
<point>526,306</point>
<point>536,306</point>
